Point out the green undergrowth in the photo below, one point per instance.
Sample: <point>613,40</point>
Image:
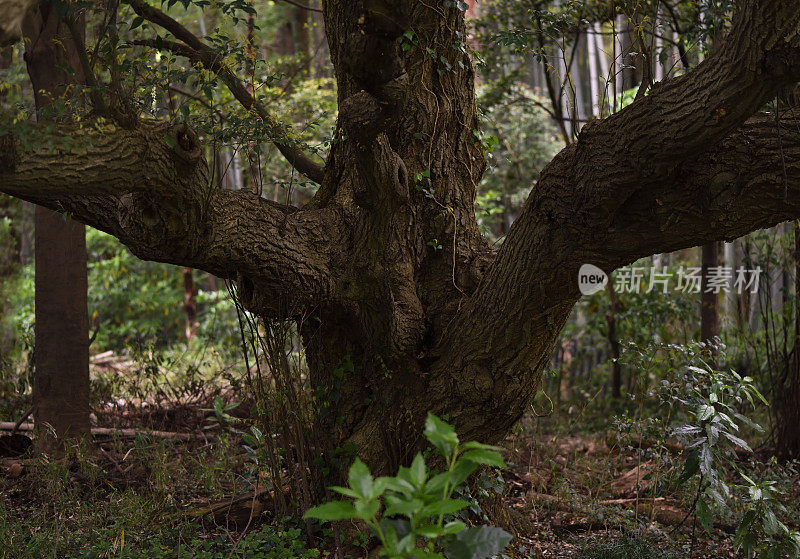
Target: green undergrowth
<point>629,546</point>
<point>85,507</point>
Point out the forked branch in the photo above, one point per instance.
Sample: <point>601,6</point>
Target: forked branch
<point>150,187</point>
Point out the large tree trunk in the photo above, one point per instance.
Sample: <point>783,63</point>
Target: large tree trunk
<point>61,353</point>
<point>386,266</point>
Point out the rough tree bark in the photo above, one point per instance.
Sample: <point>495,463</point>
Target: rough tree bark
<point>61,352</point>
<point>464,330</point>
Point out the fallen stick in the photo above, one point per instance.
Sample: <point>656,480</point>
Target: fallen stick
<point>107,431</point>
<point>21,420</point>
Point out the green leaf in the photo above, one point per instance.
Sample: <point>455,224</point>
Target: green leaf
<point>461,471</point>
<point>704,412</point>
<point>346,491</point>
<point>771,525</point>
<point>334,510</point>
<point>422,554</point>
<point>691,467</point>
<point>136,22</point>
<point>484,457</point>
<point>744,527</point>
<point>706,460</point>
<point>453,528</point>
<point>472,445</point>
<point>409,508</point>
<point>737,441</point>
<point>401,484</point>
<point>437,483</point>
<point>704,515</point>
<point>446,506</point>
<point>430,531</point>
<point>366,510</point>
<point>441,435</point>
<point>478,543</point>
<point>360,479</point>
<point>418,471</point>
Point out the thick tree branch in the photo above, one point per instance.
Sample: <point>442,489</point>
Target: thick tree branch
<point>749,181</point>
<point>199,52</point>
<point>150,187</point>
<point>621,168</point>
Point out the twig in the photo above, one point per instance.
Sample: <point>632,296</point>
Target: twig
<point>88,73</point>
<point>114,461</point>
<point>199,99</point>
<point>691,510</point>
<point>299,5</point>
<point>197,51</point>
<point>19,422</point>
<point>107,431</point>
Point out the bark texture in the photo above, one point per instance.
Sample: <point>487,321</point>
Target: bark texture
<point>386,266</point>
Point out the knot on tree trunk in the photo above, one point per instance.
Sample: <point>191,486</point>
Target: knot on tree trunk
<point>362,117</point>
<point>185,143</point>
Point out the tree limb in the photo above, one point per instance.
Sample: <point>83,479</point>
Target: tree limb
<point>299,5</point>
<point>199,52</point>
<point>620,168</point>
<point>151,188</point>
<point>749,181</point>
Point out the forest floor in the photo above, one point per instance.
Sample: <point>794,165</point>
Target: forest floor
<point>564,494</point>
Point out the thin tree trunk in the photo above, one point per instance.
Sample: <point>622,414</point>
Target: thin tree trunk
<point>709,314</point>
<point>613,341</point>
<point>61,379</point>
<point>190,303</point>
<point>744,308</point>
<point>594,77</point>
<point>658,66</point>
<point>565,379</point>
<point>605,72</point>
<point>788,417</point>
<point>729,253</point>
<point>9,250</point>
<point>302,33</point>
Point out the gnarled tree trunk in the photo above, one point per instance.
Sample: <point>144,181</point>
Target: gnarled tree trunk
<point>386,265</point>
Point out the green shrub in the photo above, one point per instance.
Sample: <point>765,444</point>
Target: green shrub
<point>408,512</point>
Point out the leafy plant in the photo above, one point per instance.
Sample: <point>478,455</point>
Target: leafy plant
<point>760,533</point>
<point>221,418</point>
<point>714,399</point>
<point>409,512</point>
